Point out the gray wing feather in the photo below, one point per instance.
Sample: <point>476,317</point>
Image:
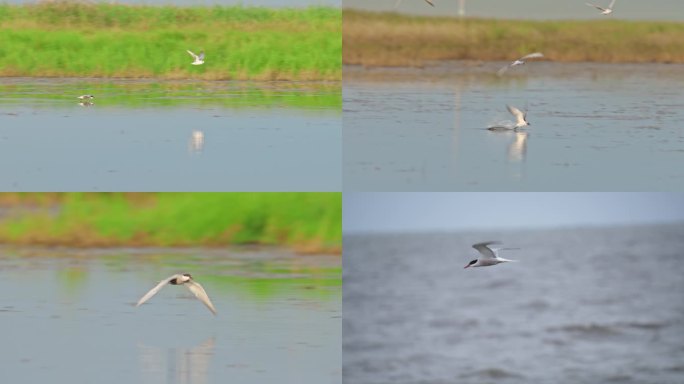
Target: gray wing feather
<point>503,70</point>
<point>200,294</point>
<point>532,56</point>
<point>154,290</point>
<point>484,249</point>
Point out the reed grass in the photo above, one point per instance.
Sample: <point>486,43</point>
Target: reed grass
<point>74,39</point>
<point>390,39</point>
<point>306,222</point>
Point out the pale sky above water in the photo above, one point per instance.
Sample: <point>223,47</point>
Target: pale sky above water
<point>531,9</point>
<point>423,212</point>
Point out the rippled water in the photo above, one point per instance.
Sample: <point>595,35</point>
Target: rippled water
<point>70,313</point>
<point>580,306</point>
<point>528,9</point>
<point>594,126</point>
<point>171,136</point>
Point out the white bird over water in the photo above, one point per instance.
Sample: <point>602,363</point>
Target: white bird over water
<point>520,61</point>
<point>520,116</point>
<point>604,11</point>
<point>181,279</point>
<point>199,60</point>
<point>488,256</point>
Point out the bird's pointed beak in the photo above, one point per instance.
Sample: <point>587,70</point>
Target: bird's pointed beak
<point>466,266</point>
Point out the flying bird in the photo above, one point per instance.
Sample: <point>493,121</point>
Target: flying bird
<point>520,61</point>
<point>604,11</point>
<point>520,116</point>
<point>199,60</point>
<point>427,1</point>
<point>181,279</point>
<point>488,256</point>
<point>86,97</point>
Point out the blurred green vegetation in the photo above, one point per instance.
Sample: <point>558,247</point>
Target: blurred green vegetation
<point>306,222</point>
<point>79,39</point>
<point>390,39</point>
<point>145,93</point>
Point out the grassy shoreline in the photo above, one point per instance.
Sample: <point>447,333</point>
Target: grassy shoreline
<point>390,39</point>
<point>71,39</point>
<point>305,222</point>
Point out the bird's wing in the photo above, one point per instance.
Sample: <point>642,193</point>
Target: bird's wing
<point>200,294</point>
<point>611,4</point>
<point>503,70</point>
<point>154,290</point>
<point>519,115</point>
<point>430,2</point>
<point>532,56</point>
<point>201,56</point>
<point>485,250</point>
<point>193,55</point>
<point>595,6</point>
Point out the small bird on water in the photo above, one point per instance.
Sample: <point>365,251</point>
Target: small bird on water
<point>488,256</point>
<point>181,279</point>
<point>520,121</point>
<point>520,116</point>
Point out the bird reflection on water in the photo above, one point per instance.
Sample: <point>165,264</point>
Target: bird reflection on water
<point>176,365</point>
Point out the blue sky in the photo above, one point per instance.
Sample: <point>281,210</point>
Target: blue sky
<point>409,212</point>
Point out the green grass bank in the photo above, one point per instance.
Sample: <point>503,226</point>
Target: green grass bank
<point>306,222</point>
<point>390,39</point>
<point>72,39</point>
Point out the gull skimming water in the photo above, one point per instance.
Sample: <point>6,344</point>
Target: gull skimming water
<point>520,116</point>
<point>604,11</point>
<point>199,60</point>
<point>488,256</point>
<point>520,121</point>
<point>520,61</point>
<point>181,279</point>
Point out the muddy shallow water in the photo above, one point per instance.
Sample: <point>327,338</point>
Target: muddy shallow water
<point>593,127</point>
<point>70,313</point>
<point>181,136</point>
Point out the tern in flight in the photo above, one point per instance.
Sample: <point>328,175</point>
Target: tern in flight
<point>86,97</point>
<point>520,61</point>
<point>427,1</point>
<point>186,280</point>
<point>199,60</point>
<point>488,256</point>
<point>604,11</point>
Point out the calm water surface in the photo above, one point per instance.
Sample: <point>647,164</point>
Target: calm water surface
<point>580,306</point>
<point>184,136</point>
<point>594,127</point>
<point>69,315</point>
